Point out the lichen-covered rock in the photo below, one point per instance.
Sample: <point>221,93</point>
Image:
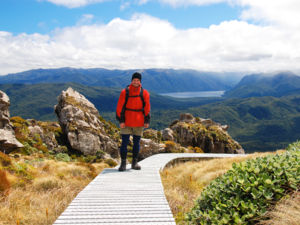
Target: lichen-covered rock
<point>80,122</point>
<point>8,141</point>
<point>167,134</point>
<point>149,147</point>
<point>4,112</point>
<point>48,132</point>
<point>206,134</point>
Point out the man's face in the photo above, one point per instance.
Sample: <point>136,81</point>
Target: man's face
<point>136,82</point>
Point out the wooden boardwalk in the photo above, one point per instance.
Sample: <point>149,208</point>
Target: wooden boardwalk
<point>132,197</point>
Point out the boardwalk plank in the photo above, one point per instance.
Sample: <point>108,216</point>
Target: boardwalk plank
<point>132,197</point>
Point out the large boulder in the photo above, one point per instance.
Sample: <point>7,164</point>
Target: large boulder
<point>149,147</point>
<point>167,134</point>
<point>4,112</point>
<point>8,141</point>
<point>206,134</point>
<point>80,122</point>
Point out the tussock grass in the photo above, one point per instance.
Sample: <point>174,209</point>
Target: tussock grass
<point>184,182</point>
<point>43,189</point>
<point>4,184</point>
<point>286,212</point>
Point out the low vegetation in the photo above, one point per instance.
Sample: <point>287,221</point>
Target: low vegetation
<point>35,189</point>
<point>232,191</point>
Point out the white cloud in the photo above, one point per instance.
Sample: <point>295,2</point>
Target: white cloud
<point>74,3</point>
<point>285,13</point>
<point>281,12</point>
<point>148,42</point>
<point>85,19</point>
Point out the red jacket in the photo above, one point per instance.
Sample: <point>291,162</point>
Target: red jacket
<point>130,117</point>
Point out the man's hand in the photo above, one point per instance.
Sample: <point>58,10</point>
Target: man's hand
<point>146,125</point>
<point>122,125</point>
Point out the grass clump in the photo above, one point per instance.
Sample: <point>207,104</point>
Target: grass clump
<point>248,190</point>
<point>4,183</point>
<point>4,159</point>
<point>42,198</point>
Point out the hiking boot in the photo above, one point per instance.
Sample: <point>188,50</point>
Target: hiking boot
<point>135,165</point>
<point>123,165</point>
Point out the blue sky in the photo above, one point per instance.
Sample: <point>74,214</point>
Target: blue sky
<point>32,16</point>
<point>210,35</point>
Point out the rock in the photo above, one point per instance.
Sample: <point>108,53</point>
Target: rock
<point>224,127</point>
<point>207,122</point>
<point>45,130</point>
<point>8,141</point>
<point>206,134</point>
<point>148,148</point>
<point>80,122</point>
<point>4,112</point>
<point>167,135</point>
<point>187,117</point>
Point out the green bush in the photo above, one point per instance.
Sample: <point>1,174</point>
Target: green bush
<point>90,158</point>
<point>294,146</point>
<point>63,157</point>
<point>246,191</point>
<point>111,162</point>
<point>28,149</point>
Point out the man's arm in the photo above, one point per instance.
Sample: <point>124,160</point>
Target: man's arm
<point>147,109</point>
<point>120,104</point>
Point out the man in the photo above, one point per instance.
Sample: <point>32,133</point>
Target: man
<point>133,113</point>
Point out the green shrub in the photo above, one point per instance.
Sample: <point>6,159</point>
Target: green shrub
<point>111,162</point>
<point>28,149</point>
<point>90,158</point>
<point>294,146</point>
<point>246,191</point>
<point>100,154</point>
<point>63,157</point>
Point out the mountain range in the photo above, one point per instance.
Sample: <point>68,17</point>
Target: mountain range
<point>258,85</point>
<point>156,80</point>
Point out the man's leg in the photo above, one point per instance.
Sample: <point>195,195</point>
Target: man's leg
<point>135,152</point>
<point>123,151</point>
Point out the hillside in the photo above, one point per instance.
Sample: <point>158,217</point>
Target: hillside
<point>37,100</point>
<point>258,124</point>
<point>156,80</point>
<point>259,85</point>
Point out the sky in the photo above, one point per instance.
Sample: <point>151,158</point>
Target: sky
<point>243,36</point>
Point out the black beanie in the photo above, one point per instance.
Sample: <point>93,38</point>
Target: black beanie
<point>137,75</point>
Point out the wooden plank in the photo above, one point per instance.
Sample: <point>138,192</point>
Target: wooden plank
<point>132,197</point>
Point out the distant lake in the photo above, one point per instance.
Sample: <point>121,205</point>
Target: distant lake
<point>194,94</point>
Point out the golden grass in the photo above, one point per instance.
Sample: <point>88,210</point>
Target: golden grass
<point>286,212</point>
<point>53,185</point>
<point>4,183</point>
<point>184,182</point>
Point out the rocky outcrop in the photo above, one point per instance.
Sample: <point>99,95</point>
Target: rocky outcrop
<point>47,131</point>
<point>168,134</point>
<point>8,141</point>
<point>206,134</point>
<point>80,122</point>
<point>149,147</point>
